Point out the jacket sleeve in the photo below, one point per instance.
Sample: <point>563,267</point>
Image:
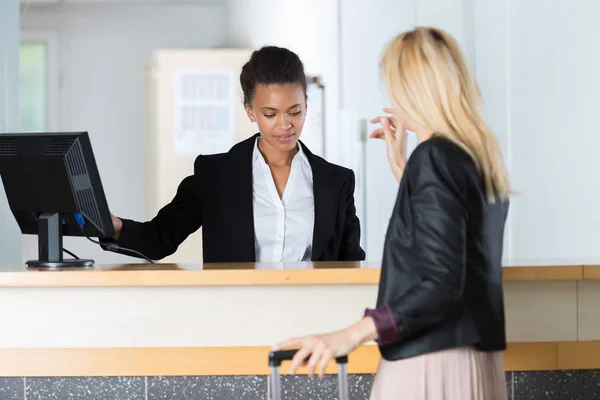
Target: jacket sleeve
<point>438,220</point>
<point>161,236</point>
<point>350,249</point>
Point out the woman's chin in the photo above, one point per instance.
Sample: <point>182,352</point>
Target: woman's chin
<point>285,143</point>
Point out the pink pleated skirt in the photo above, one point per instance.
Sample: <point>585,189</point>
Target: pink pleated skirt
<point>461,373</point>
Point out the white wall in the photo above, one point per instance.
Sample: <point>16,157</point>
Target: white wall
<point>10,240</point>
<point>104,48</point>
<point>540,86</point>
<point>553,83</point>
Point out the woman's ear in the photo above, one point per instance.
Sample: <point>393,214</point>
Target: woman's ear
<point>249,113</point>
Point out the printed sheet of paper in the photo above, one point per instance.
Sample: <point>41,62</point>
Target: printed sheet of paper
<point>204,111</point>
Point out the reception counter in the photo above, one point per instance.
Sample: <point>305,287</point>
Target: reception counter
<point>219,320</point>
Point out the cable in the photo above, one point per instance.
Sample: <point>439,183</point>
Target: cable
<point>71,254</point>
<point>115,248</point>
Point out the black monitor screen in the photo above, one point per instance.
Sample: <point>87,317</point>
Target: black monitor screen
<point>54,173</point>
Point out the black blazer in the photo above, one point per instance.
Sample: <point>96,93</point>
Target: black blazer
<point>441,276</point>
<point>218,198</point>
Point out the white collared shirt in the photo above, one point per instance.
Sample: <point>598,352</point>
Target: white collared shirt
<point>283,227</point>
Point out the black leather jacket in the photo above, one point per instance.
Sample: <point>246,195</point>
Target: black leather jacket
<point>441,277</point>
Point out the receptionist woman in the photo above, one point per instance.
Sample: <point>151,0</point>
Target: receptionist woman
<point>269,198</point>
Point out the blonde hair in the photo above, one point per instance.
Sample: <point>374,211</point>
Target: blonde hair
<point>428,79</point>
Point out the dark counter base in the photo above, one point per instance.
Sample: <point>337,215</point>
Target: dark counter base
<point>546,385</point>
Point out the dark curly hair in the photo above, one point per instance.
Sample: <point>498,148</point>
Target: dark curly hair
<point>271,65</point>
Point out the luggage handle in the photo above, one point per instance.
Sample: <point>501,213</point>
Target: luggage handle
<point>277,357</point>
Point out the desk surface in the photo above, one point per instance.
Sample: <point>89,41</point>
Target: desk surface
<point>261,274</point>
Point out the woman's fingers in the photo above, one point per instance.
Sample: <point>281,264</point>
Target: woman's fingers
<point>325,358</point>
<point>387,131</point>
<point>390,110</point>
<point>294,342</point>
<point>300,358</point>
<point>393,121</point>
<point>315,359</point>
<point>377,134</point>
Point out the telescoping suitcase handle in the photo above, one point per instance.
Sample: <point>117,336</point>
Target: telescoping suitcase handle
<point>277,357</point>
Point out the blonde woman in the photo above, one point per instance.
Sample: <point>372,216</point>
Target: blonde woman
<point>439,320</point>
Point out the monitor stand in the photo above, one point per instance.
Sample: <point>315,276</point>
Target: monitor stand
<point>50,245</point>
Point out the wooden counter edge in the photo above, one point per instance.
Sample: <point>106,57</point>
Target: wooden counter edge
<point>214,361</point>
<point>321,276</point>
<point>535,274</point>
<point>591,272</point>
<point>337,276</point>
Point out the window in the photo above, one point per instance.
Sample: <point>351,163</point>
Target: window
<point>33,86</point>
<point>38,81</point>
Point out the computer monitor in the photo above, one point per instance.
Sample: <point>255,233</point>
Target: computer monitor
<point>53,189</point>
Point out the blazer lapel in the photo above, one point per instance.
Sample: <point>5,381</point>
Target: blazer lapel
<point>237,198</point>
<point>326,189</point>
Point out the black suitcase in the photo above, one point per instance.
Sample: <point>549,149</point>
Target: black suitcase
<point>277,357</point>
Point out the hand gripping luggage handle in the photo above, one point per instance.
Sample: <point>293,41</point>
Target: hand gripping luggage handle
<point>277,357</point>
